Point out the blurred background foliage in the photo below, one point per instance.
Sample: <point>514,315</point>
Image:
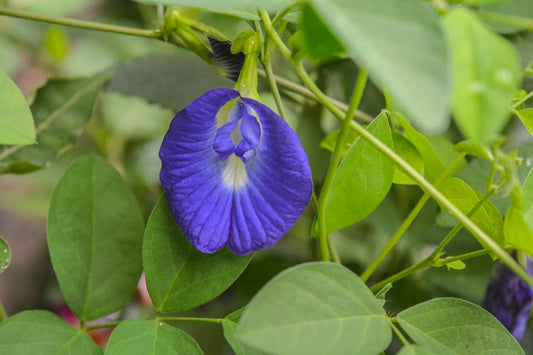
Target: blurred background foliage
<point>150,82</point>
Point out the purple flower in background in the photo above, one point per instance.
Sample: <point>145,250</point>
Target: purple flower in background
<point>234,172</point>
<point>509,298</point>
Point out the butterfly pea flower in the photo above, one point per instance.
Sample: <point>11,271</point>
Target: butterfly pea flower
<point>509,298</point>
<point>234,172</point>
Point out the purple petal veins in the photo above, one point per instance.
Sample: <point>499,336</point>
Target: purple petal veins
<point>234,172</point>
<point>509,298</point>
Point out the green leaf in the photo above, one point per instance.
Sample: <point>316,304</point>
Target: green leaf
<point>487,217</point>
<point>16,121</point>
<point>144,337</point>
<point>178,276</point>
<point>330,141</point>
<point>319,42</point>
<point>95,230</point>
<point>402,46</point>
<point>475,149</point>
<point>362,180</point>
<point>518,8</point>
<point>405,149</point>
<point>454,326</point>
<point>5,255</point>
<point>43,333</point>
<point>517,232</point>
<point>486,73</point>
<point>526,116</point>
<point>414,350</point>
<point>154,78</point>
<point>61,110</point>
<point>315,308</point>
<point>131,117</point>
<point>433,165</point>
<point>229,325</point>
<point>246,9</point>
<point>527,190</point>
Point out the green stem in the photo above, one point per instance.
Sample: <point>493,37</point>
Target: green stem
<point>398,333</point>
<point>303,91</point>
<point>88,25</point>
<point>395,238</point>
<point>515,21</point>
<point>408,221</point>
<point>461,257</point>
<point>3,315</point>
<point>402,164</point>
<point>103,325</point>
<point>430,260</point>
<point>337,153</point>
<point>190,319</point>
<point>522,100</point>
<point>274,87</point>
<point>333,251</point>
<point>434,256</point>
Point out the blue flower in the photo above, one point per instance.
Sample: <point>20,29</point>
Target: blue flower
<point>509,298</point>
<point>234,172</point>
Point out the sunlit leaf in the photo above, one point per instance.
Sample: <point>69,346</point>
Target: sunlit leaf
<point>61,110</point>
<point>517,232</point>
<point>16,121</point>
<point>402,46</point>
<point>407,151</point>
<point>486,72</point>
<point>487,217</point>
<point>5,255</point>
<point>362,180</point>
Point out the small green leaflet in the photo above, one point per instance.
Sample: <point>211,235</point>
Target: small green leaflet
<point>16,120</point>
<point>5,255</point>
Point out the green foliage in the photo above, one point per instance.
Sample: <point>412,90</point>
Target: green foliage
<point>431,60</point>
<point>174,268</point>
<point>487,217</point>
<point>5,255</point>
<point>517,232</point>
<point>94,235</point>
<point>315,308</point>
<point>16,121</point>
<point>363,179</point>
<point>319,42</point>
<point>454,326</point>
<point>410,154</point>
<point>402,47</point>
<point>155,77</point>
<point>61,109</point>
<point>42,332</point>
<point>246,9</point>
<point>486,73</point>
<point>229,325</point>
<point>433,165</point>
<point>150,337</point>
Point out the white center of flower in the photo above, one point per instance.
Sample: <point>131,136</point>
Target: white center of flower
<point>234,174</point>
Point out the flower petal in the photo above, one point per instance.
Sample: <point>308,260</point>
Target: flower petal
<point>246,196</point>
